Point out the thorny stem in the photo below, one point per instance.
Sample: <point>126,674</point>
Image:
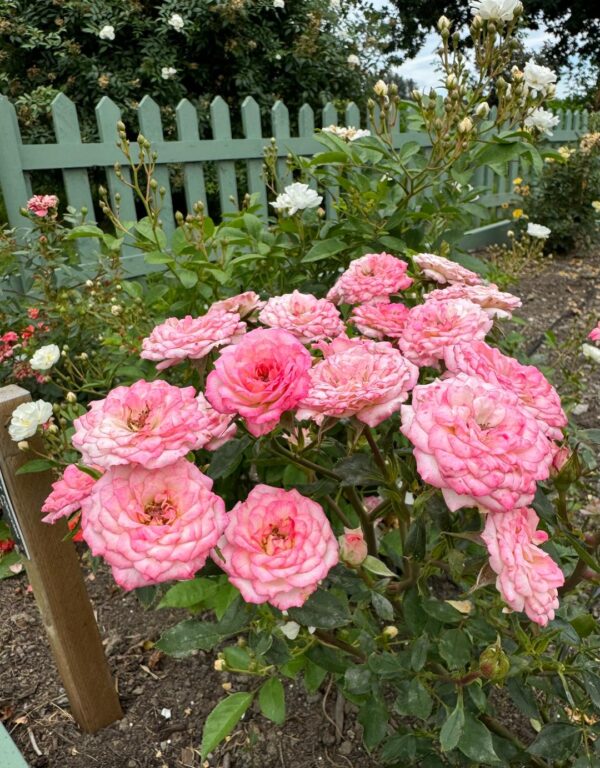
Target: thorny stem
<point>379,460</point>
<point>302,462</point>
<point>338,511</point>
<point>328,638</point>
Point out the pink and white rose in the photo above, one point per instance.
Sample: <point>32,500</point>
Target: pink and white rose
<point>373,277</point>
<point>443,270</point>
<point>529,384</point>
<point>243,303</point>
<point>380,319</point>
<point>353,547</point>
<point>277,547</point>
<point>594,334</point>
<point>495,302</point>
<point>153,525</point>
<point>303,315</point>
<point>435,325</point>
<point>260,378</point>
<point>477,443</point>
<point>41,205</point>
<point>358,377</point>
<point>151,423</point>
<point>216,428</point>
<point>191,338</point>
<point>528,578</point>
<point>68,493</point>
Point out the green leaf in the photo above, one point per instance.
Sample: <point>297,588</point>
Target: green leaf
<point>271,698</point>
<point>187,277</point>
<point>476,742</point>
<point>382,606</point>
<point>158,257</point>
<point>373,716</point>
<point>584,624</point>
<point>322,609</point>
<point>226,459</point>
<point>377,567</point>
<point>322,249</point>
<point>186,594</point>
<point>592,686</point>
<point>412,608</point>
<point>453,727</point>
<point>418,701</point>
<point>543,506</point>
<point>358,679</point>
<point>314,674</point>
<point>156,235</point>
<point>416,539</point>
<point>328,659</point>
<point>557,741</point>
<point>187,636</point>
<point>84,230</point>
<point>357,470</point>
<point>441,611</point>
<point>418,655</point>
<point>222,720</point>
<point>455,648</point>
<point>523,697</point>
<point>35,465</point>
<point>400,746</point>
<point>10,558</point>
<point>147,595</point>
<point>237,658</point>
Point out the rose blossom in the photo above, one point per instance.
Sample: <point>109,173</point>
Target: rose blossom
<point>373,277</point>
<point>277,547</point>
<point>41,204</point>
<point>216,428</point>
<point>303,315</point>
<point>151,423</point>
<point>542,120</point>
<point>535,392</point>
<point>27,417</point>
<point>538,78</point>
<point>353,547</point>
<point>296,197</point>
<point>477,443</point>
<point>153,525</point>
<point>358,377</point>
<point>435,325</point>
<point>68,492</point>
<point>443,270</point>
<point>594,334</point>
<point>496,10</point>
<point>528,578</point>
<point>380,319</point>
<point>493,301</point>
<point>191,337</point>
<point>539,231</point>
<point>260,378</point>
<point>45,357</point>
<point>242,303</point>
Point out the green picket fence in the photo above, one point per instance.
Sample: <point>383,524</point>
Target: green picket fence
<point>189,153</point>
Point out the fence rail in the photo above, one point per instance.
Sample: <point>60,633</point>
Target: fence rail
<point>19,162</point>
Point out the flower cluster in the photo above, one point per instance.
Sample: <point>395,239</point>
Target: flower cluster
<point>42,205</point>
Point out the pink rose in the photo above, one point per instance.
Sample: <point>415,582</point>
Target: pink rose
<point>445,271</point>
<point>528,578</point>
<point>67,494</point>
<point>260,378</point>
<point>477,443</point>
<point>216,428</point>
<point>493,301</point>
<point>277,547</point>
<point>243,303</point>
<point>594,334</point>
<point>41,204</point>
<point>434,326</point>
<point>150,423</point>
<point>380,319</point>
<point>191,337</point>
<point>303,315</point>
<point>373,277</point>
<point>353,547</point>
<point>153,525</point>
<point>365,379</point>
<point>530,385</point>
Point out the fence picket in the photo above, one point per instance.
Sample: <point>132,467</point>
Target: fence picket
<point>280,122</point>
<point>352,115</point>
<point>306,129</point>
<point>253,130</point>
<point>76,180</point>
<point>15,183</point>
<point>151,127</point>
<point>221,129</point>
<point>329,116</point>
<point>193,173</point>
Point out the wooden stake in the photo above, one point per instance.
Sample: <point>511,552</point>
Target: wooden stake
<point>55,575</point>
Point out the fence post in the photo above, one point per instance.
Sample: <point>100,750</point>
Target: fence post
<point>54,573</point>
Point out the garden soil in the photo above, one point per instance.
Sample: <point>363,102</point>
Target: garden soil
<point>166,700</point>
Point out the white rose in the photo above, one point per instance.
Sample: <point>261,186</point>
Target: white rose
<point>107,32</point>
<point>45,357</point>
<point>542,120</point>
<point>381,88</point>
<point>591,352</point>
<point>167,73</point>
<point>353,60</point>
<point>496,10</point>
<point>176,21</point>
<point>538,78</point>
<point>297,197</point>
<point>27,417</point>
<point>538,230</point>
<point>278,3</point>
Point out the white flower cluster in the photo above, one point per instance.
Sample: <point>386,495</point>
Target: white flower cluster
<point>538,230</point>
<point>539,79</point>
<point>296,197</point>
<point>45,357</point>
<point>496,10</point>
<point>542,120</point>
<point>348,134</point>
<point>168,73</point>
<point>107,32</point>
<point>27,417</point>
<point>176,21</point>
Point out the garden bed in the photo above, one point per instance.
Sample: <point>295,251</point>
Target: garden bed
<point>166,700</point>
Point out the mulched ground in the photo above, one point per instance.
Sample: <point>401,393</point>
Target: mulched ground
<point>563,295</point>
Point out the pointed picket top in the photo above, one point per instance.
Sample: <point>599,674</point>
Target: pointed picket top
<point>220,117</point>
<point>568,120</point>
<point>352,115</point>
<point>329,114</point>
<point>585,120</point>
<point>306,120</point>
<point>280,122</point>
<point>251,121</point>
<point>186,119</point>
<point>108,115</point>
<point>220,122</point>
<point>252,127</point>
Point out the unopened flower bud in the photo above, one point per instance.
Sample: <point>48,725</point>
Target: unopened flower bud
<point>494,663</point>
<point>353,547</point>
<point>226,686</point>
<point>53,429</point>
<point>465,125</point>
<point>417,95</point>
<point>390,632</point>
<point>483,109</point>
<point>444,23</point>
<point>71,397</point>
<point>451,80</point>
<point>23,445</point>
<point>219,665</point>
<point>565,469</point>
<point>381,88</point>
